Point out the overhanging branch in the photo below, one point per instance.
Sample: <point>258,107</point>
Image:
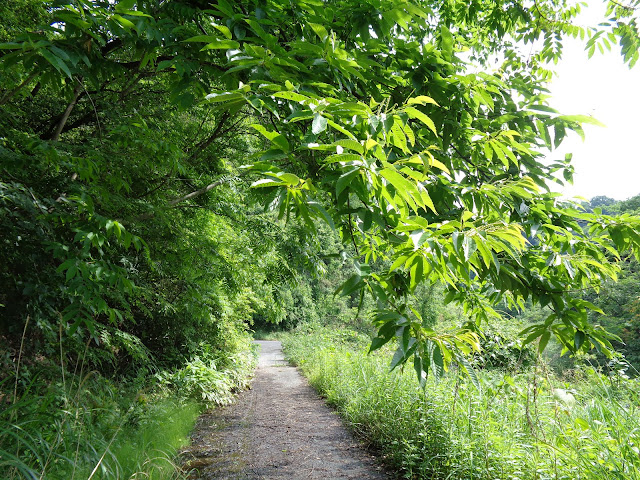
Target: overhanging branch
<point>197,193</point>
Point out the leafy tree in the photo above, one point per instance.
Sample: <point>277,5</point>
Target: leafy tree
<point>601,201</point>
<point>619,300</point>
<point>369,116</point>
<point>85,180</point>
<point>631,205</point>
<point>418,162</point>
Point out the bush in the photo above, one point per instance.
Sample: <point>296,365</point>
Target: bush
<point>212,376</point>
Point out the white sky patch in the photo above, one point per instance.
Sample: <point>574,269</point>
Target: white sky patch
<point>608,161</point>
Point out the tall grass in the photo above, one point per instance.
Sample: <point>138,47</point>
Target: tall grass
<point>56,424</point>
<point>95,430</point>
<point>512,428</point>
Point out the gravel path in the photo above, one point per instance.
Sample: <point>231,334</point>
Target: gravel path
<point>280,429</point>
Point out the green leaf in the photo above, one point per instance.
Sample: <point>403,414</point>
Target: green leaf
<point>468,247</point>
<point>544,339</point>
<point>319,30</point>
<point>446,42</point>
<point>11,45</point>
<point>469,370</point>
<point>276,138</point>
<point>224,97</point>
<point>345,179</point>
<point>224,30</point>
<point>377,342</point>
<point>322,212</point>
<point>341,129</point>
<point>351,145</point>
<point>127,24</point>
<point>266,182</point>
<point>220,44</point>
<point>319,124</point>
<point>56,61</point>
<point>581,119</point>
<point>398,358</point>
<point>417,114</point>
<point>437,362</point>
<point>202,39</point>
<point>351,285</point>
<point>422,100</point>
<point>422,370</point>
<point>124,5</point>
<point>296,97</point>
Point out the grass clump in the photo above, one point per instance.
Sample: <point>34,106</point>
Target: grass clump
<point>60,424</point>
<point>92,428</point>
<point>519,425</point>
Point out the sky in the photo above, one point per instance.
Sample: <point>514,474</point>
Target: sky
<point>608,161</point>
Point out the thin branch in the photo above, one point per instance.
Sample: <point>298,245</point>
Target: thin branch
<point>199,192</point>
<point>65,116</point>
<point>111,46</point>
<point>174,203</point>
<point>217,132</point>
<point>10,94</point>
<point>204,32</point>
<point>135,65</point>
<point>625,7</point>
<point>162,183</point>
<point>95,110</point>
<point>353,239</point>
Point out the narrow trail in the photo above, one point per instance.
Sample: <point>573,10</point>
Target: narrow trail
<point>280,429</point>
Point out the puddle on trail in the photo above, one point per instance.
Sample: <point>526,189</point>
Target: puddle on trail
<point>222,466</point>
<point>219,448</point>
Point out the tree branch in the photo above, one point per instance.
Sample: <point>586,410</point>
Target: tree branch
<point>111,46</point>
<point>174,203</point>
<point>10,94</point>
<point>65,116</point>
<point>625,7</point>
<point>197,193</point>
<point>217,132</point>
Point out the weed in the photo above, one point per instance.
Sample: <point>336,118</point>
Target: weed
<point>513,428</point>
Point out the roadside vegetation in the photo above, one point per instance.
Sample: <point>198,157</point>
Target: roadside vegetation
<point>515,414</point>
<point>75,423</point>
<point>525,422</point>
<point>176,173</point>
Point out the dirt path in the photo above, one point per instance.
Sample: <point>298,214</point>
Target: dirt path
<point>280,429</point>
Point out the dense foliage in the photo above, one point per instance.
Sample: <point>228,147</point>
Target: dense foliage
<point>402,142</point>
<point>121,152</point>
<point>618,300</point>
<point>522,423</point>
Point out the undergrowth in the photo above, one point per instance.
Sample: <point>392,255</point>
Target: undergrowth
<point>526,424</point>
<point>92,428</point>
<point>57,424</point>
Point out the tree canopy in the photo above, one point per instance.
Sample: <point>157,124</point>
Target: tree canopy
<point>416,130</point>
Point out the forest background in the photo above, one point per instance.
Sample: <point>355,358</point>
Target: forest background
<point>175,174</point>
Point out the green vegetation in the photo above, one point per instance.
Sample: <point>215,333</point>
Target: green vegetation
<point>519,424</point>
<point>174,173</point>
<point>72,423</point>
<point>92,428</point>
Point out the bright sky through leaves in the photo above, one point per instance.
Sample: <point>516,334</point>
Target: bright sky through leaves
<point>608,161</point>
